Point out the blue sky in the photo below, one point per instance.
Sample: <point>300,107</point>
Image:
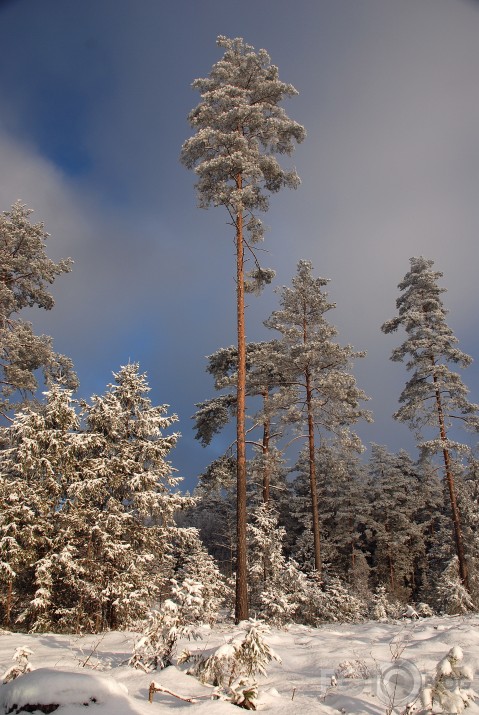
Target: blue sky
<point>94,103</point>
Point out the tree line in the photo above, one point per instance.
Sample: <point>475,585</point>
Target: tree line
<point>92,529</point>
<point>240,129</point>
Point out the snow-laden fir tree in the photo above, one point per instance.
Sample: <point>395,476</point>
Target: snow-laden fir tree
<point>179,616</point>
<point>449,691</point>
<point>319,394</point>
<point>277,587</point>
<point>330,601</point>
<point>345,512</point>
<point>26,273</point>
<point>297,518</point>
<point>338,604</point>
<point>214,512</point>
<point>232,667</point>
<point>123,506</point>
<point>381,607</point>
<point>450,595</point>
<point>86,525</point>
<point>435,396</point>
<point>433,517</point>
<point>239,128</point>
<point>195,564</point>
<point>21,657</point>
<point>38,462</point>
<point>468,496</point>
<point>398,541</point>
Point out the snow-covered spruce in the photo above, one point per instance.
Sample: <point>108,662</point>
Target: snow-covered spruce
<point>381,608</point>
<point>107,553</point>
<point>21,658</point>
<point>179,617</point>
<point>38,463</point>
<point>232,667</point>
<point>195,565</point>
<point>277,587</point>
<point>450,596</point>
<point>435,395</point>
<point>449,691</point>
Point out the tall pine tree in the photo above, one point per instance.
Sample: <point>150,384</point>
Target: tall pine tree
<point>239,127</point>
<point>319,395</point>
<point>435,396</point>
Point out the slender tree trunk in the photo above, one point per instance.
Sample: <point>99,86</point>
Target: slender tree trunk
<point>241,607</point>
<point>8,604</point>
<point>352,543</point>
<point>392,580</point>
<point>390,559</point>
<point>312,461</point>
<point>265,449</point>
<point>312,478</point>
<point>456,518</point>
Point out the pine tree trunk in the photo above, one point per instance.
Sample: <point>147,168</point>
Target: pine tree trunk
<point>79,614</point>
<point>312,479</point>
<point>456,518</point>
<point>265,449</point>
<point>8,604</point>
<point>392,579</point>
<point>352,544</point>
<point>312,461</point>
<point>241,606</point>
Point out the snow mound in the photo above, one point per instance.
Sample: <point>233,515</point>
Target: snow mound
<point>47,689</point>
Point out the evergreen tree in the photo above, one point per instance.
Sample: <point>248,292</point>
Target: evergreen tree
<point>451,596</point>
<point>262,377</point>
<point>381,608</point>
<point>319,394</point>
<point>277,586</point>
<point>86,529</point>
<point>195,564</point>
<point>214,512</point>
<point>300,540</point>
<point>239,128</point>
<point>467,483</point>
<point>339,604</point>
<point>38,463</point>
<point>447,692</point>
<point>398,541</point>
<point>25,274</point>
<point>435,395</point>
<point>345,514</point>
<point>125,498</point>
<point>432,515</point>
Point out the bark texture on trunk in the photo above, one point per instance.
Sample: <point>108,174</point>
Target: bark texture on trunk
<point>312,479</point>
<point>313,485</point>
<point>456,517</point>
<point>265,451</point>
<point>8,604</point>
<point>241,606</point>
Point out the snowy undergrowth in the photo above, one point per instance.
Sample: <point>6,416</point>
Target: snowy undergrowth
<point>303,682</point>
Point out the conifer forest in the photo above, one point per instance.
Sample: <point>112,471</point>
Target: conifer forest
<point>297,521</point>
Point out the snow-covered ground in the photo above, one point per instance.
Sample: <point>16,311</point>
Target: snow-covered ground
<point>392,660</point>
